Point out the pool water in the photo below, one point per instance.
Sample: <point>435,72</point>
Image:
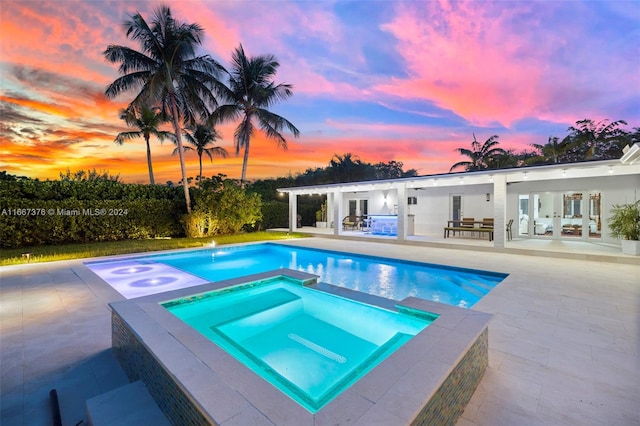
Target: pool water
<point>383,277</point>
<point>389,278</point>
<point>309,344</point>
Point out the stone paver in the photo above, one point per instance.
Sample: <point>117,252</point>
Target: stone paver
<point>564,340</point>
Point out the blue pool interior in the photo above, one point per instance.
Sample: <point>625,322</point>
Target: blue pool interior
<point>389,278</point>
<point>309,344</point>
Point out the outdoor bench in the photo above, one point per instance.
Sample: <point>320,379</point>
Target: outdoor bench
<point>448,229</point>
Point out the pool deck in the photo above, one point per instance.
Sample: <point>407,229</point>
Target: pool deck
<point>564,341</point>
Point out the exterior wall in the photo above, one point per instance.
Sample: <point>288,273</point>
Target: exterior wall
<point>433,208</point>
<point>378,204</point>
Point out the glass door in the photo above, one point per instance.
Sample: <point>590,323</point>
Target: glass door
<point>523,215</point>
<point>595,217</point>
<point>570,215</point>
<point>544,214</point>
<point>572,221</point>
<point>456,207</point>
<point>358,207</point>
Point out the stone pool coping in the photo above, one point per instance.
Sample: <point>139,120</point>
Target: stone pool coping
<point>405,388</point>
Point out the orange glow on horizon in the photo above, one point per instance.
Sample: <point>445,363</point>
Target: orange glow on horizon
<point>411,84</point>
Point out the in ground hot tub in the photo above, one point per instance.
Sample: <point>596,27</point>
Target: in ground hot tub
<point>309,344</point>
<point>266,350</point>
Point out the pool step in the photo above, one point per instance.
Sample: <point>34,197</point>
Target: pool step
<point>254,305</point>
<point>128,405</point>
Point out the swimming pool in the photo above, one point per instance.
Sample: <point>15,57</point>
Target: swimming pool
<point>309,344</point>
<point>389,278</point>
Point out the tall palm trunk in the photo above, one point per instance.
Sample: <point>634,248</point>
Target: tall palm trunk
<point>245,160</point>
<point>146,139</point>
<point>183,169</point>
<point>200,158</point>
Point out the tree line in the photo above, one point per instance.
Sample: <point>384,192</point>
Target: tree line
<point>586,141</point>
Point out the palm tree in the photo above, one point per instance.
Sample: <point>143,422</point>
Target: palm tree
<point>507,159</point>
<point>480,155</point>
<point>343,167</point>
<point>201,137</point>
<point>167,71</point>
<point>550,153</point>
<point>148,121</point>
<point>597,141</point>
<point>251,91</point>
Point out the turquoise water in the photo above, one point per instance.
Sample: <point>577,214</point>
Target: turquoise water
<point>309,344</point>
<point>392,279</point>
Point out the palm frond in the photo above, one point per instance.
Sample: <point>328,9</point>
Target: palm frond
<point>123,136</point>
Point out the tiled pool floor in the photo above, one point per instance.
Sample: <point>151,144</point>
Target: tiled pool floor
<point>564,342</point>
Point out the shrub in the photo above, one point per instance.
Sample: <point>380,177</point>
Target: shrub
<point>624,222</point>
<point>224,209</point>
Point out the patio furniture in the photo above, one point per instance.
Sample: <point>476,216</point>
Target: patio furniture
<point>509,233</point>
<point>572,229</point>
<point>350,222</point>
<point>365,223</point>
<point>467,225</point>
<point>487,222</point>
<point>467,222</point>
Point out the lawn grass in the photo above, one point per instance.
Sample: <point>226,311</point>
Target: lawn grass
<point>80,251</point>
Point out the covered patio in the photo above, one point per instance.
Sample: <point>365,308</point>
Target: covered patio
<point>552,203</point>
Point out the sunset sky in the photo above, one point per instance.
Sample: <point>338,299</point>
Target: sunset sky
<point>384,80</point>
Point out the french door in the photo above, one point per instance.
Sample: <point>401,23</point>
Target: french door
<point>358,207</point>
<point>566,215</point>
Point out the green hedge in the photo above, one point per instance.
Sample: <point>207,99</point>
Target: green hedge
<point>275,214</point>
<point>35,222</point>
<point>34,189</point>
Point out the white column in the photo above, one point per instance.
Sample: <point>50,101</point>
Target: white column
<point>499,210</point>
<point>330,215</point>
<point>402,211</point>
<point>338,210</point>
<point>293,211</point>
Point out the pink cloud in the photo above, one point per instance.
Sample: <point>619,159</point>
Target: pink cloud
<point>464,58</point>
<point>492,62</point>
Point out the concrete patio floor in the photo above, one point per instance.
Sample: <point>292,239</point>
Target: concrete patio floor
<point>564,341</point>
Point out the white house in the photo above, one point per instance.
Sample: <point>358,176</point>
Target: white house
<point>560,201</point>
